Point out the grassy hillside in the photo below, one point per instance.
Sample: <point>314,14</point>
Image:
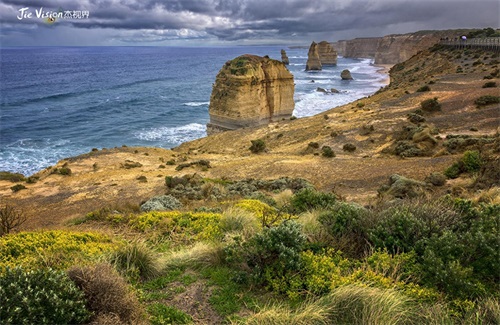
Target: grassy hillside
<point>383,211</point>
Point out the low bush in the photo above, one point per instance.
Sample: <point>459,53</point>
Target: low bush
<point>423,89</point>
<point>309,199</point>
<point>327,151</point>
<point>42,296</point>
<point>257,146</point>
<point>349,147</point>
<point>161,203</point>
<point>106,293</point>
<point>490,84</point>
<point>56,249</point>
<point>18,187</point>
<point>275,251</point>
<point>487,100</point>
<point>431,105</point>
<point>313,145</point>
<point>13,177</point>
<point>11,218</point>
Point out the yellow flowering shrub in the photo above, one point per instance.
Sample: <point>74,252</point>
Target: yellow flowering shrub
<point>189,225</point>
<point>322,271</point>
<point>56,249</point>
<point>266,214</point>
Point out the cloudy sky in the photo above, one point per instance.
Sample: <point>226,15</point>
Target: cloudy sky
<point>233,22</point>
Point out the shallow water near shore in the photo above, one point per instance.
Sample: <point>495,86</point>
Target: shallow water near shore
<point>59,102</point>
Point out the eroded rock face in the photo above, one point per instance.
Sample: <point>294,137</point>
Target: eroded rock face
<point>327,55</point>
<point>313,61</point>
<point>284,57</point>
<point>250,90</point>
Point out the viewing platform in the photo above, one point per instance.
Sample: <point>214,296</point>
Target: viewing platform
<point>489,43</point>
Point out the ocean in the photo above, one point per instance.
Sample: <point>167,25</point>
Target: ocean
<point>58,102</point>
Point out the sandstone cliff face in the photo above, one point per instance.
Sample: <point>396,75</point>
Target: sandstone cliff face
<point>284,57</point>
<point>358,47</point>
<point>327,55</point>
<point>313,61</point>
<point>391,49</point>
<point>250,90</point>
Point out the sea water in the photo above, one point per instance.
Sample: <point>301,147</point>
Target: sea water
<point>58,102</point>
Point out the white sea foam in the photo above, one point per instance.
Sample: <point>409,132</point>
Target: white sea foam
<point>175,135</point>
<point>195,104</point>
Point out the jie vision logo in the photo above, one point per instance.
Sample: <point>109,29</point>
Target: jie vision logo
<point>50,16</point>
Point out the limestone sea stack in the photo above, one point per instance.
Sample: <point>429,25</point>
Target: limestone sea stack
<point>250,90</point>
<point>327,54</point>
<point>346,75</point>
<point>313,62</point>
<point>284,57</point>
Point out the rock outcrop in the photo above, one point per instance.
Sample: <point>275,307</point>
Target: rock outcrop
<point>327,55</point>
<point>250,90</point>
<point>346,75</point>
<point>284,57</point>
<point>313,61</point>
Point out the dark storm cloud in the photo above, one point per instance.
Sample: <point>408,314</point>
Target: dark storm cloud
<point>235,20</point>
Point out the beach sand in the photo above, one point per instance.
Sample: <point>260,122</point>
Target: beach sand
<point>384,69</point>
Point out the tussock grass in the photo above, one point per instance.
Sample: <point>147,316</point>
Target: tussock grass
<point>313,229</point>
<point>238,221</point>
<point>199,255</point>
<point>353,304</point>
<point>108,295</point>
<point>308,313</point>
<point>136,259</point>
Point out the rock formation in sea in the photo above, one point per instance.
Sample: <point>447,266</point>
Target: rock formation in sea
<point>313,61</point>
<point>327,54</point>
<point>250,90</point>
<point>346,75</point>
<point>284,57</point>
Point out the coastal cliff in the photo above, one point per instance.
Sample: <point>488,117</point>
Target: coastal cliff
<point>391,49</point>
<point>250,90</point>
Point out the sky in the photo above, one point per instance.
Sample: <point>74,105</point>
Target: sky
<point>230,22</point>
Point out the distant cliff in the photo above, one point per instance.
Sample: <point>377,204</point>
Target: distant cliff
<point>392,49</point>
<point>250,90</point>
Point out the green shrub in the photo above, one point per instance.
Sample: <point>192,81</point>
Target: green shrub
<point>343,219</point>
<point>42,296</point>
<point>309,199</point>
<point>472,161</point>
<point>397,230</point>
<point>257,146</point>
<point>313,145</point>
<point>106,292</point>
<point>349,147</point>
<point>431,105</point>
<point>13,177</point>
<point>423,89</point>
<point>490,84</point>
<point>453,171</point>
<point>327,151</point>
<point>18,187</point>
<point>275,251</point>
<point>487,100</point>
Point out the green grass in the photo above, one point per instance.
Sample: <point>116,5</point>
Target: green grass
<point>161,314</point>
<point>228,297</point>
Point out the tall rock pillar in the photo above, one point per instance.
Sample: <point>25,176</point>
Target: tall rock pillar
<point>250,90</point>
